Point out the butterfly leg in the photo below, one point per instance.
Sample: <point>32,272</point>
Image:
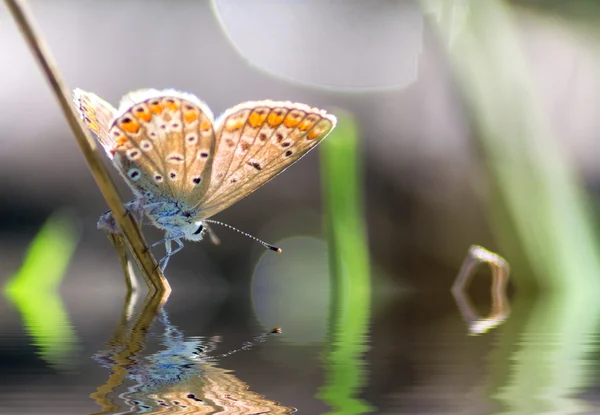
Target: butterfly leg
<point>169,237</point>
<point>107,220</point>
<point>170,252</point>
<point>165,260</point>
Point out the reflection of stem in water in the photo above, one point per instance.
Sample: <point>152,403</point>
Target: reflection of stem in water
<point>500,306</point>
<point>351,293</point>
<point>125,346</point>
<point>179,377</point>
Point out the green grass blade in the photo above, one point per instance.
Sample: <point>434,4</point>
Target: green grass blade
<point>349,259</point>
<point>47,257</point>
<point>33,290</point>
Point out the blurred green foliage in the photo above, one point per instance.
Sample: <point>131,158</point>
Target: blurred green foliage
<point>47,258</point>
<point>33,289</point>
<point>583,11</point>
<point>539,213</point>
<point>349,265</point>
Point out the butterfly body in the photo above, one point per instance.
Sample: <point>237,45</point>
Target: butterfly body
<point>175,220</point>
<point>183,166</point>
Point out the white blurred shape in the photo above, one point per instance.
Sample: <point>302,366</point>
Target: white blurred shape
<point>328,43</point>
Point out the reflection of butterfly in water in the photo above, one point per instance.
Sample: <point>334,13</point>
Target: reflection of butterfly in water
<point>182,377</point>
<point>183,167</point>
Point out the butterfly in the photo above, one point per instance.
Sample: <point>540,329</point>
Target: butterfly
<point>184,167</point>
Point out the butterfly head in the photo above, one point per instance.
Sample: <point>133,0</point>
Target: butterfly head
<point>194,231</point>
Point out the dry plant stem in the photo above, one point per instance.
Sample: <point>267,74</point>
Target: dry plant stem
<point>118,242</point>
<point>500,305</point>
<point>133,237</point>
<point>477,255</point>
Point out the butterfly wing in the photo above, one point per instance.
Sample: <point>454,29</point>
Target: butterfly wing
<point>255,142</point>
<point>162,143</point>
<point>97,115</point>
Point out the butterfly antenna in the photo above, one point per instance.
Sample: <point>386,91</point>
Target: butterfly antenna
<point>246,345</point>
<point>263,243</point>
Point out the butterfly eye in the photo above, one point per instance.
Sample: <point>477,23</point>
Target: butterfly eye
<point>200,229</point>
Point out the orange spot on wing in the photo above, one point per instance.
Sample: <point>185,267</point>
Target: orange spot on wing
<point>234,125</point>
<point>190,116</point>
<point>156,108</point>
<point>306,125</point>
<point>275,118</point>
<point>313,134</point>
<point>205,125</point>
<point>257,118</point>
<point>172,104</point>
<point>143,114</point>
<point>92,125</point>
<point>119,142</point>
<point>129,125</point>
<point>320,130</point>
<point>292,119</point>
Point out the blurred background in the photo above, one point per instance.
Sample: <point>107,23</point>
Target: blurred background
<point>461,122</point>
